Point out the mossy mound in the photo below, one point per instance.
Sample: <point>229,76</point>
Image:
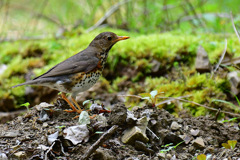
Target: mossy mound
<point>163,62</point>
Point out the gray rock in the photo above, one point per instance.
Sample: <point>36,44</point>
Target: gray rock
<point>194,132</point>
<point>133,134</point>
<point>20,155</point>
<point>186,138</point>
<point>143,147</point>
<point>136,132</point>
<point>198,143</point>
<point>234,79</point>
<point>3,156</point>
<point>202,63</point>
<point>161,155</point>
<point>101,121</point>
<point>131,120</point>
<point>172,138</point>
<point>175,126</point>
<point>43,105</point>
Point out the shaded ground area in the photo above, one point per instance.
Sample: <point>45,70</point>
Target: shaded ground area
<point>147,133</point>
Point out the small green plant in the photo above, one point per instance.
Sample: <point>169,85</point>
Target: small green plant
<point>229,120</point>
<point>27,104</point>
<point>60,127</point>
<point>230,144</point>
<point>151,97</point>
<point>169,147</point>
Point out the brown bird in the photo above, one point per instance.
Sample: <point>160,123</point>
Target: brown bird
<point>79,72</point>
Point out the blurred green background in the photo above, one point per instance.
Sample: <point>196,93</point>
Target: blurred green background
<point>47,18</point>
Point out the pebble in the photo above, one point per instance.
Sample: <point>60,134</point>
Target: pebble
<point>198,143</point>
<point>175,126</point>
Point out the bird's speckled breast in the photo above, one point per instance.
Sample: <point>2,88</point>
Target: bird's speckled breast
<point>83,81</point>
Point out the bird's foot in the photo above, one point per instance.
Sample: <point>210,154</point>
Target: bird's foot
<point>74,109</point>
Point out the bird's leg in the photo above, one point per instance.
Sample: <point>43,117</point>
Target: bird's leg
<point>72,106</point>
<point>76,104</point>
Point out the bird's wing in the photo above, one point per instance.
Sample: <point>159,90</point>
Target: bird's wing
<point>81,62</point>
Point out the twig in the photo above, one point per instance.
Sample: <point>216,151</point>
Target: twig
<point>234,27</point>
<point>213,109</point>
<point>103,138</point>
<point>111,10</point>
<point>222,57</point>
<point>135,96</point>
<point>195,14</point>
<point>152,133</point>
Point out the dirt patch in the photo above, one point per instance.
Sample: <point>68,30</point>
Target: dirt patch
<point>148,133</point>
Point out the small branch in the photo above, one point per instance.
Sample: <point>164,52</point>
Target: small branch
<point>99,142</point>
<point>195,14</point>
<point>213,109</point>
<point>234,27</point>
<point>222,57</point>
<point>111,10</point>
<point>135,96</point>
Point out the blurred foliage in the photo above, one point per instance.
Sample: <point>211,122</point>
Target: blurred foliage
<point>20,18</point>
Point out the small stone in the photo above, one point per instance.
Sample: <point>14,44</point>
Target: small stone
<point>142,124</point>
<point>175,126</point>
<point>161,155</point>
<point>131,120</point>
<point>172,138</point>
<point>3,156</point>
<point>186,138</point>
<point>143,147</point>
<point>198,143</point>
<point>168,156</point>
<point>45,124</point>
<point>133,134</point>
<point>42,105</point>
<point>234,80</point>
<point>194,132</point>
<point>20,155</point>
<point>101,121</point>
<point>202,63</point>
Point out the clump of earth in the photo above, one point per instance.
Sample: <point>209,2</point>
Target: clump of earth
<point>48,132</point>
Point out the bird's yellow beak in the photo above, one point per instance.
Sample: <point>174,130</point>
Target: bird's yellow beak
<point>121,38</point>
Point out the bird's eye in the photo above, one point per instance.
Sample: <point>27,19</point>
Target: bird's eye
<point>109,38</point>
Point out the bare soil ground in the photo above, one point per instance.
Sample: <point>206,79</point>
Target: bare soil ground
<point>27,136</point>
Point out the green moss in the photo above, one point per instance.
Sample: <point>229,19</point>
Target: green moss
<point>174,51</point>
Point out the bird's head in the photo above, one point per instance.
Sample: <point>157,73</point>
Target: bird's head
<point>106,40</point>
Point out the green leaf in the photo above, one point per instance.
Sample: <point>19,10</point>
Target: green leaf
<point>148,98</point>
<point>145,94</point>
<point>86,101</point>
<point>229,120</point>
<point>99,132</point>
<point>225,145</point>
<point>202,157</point>
<point>223,101</point>
<point>59,93</point>
<point>25,104</point>
<point>154,93</point>
<point>232,143</point>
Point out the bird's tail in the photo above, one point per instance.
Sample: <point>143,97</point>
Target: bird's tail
<point>32,82</point>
